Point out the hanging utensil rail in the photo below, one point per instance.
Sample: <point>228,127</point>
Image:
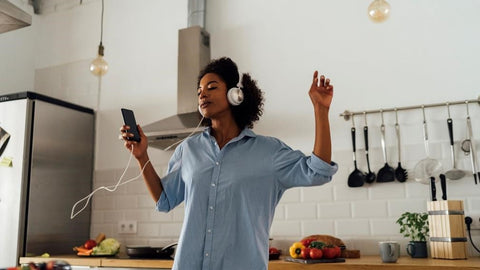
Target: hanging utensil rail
<point>347,114</point>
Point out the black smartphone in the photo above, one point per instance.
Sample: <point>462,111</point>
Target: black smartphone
<point>129,119</point>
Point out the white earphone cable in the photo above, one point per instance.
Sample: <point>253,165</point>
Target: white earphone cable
<point>175,143</point>
<point>119,183</point>
<point>108,188</point>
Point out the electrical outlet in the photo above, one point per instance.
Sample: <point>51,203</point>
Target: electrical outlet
<point>476,222</point>
<point>127,227</point>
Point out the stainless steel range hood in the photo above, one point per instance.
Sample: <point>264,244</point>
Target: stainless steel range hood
<point>12,17</point>
<point>193,55</point>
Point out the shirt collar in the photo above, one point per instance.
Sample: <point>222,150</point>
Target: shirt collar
<point>246,132</point>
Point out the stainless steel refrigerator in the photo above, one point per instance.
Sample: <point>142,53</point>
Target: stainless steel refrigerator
<point>46,165</point>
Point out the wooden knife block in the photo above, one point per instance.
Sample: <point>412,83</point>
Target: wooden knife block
<point>447,229</point>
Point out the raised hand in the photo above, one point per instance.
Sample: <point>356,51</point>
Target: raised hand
<point>321,91</point>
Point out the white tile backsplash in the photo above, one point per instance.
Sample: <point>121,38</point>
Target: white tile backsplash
<point>369,209</point>
<point>397,207</point>
<point>335,210</point>
<point>301,211</point>
<point>286,228</point>
<point>387,191</point>
<point>352,227</point>
<point>170,229</point>
<point>318,227</point>
<point>361,216</point>
<point>161,217</point>
<point>345,193</point>
<point>148,229</point>
<point>384,227</point>
<point>317,194</point>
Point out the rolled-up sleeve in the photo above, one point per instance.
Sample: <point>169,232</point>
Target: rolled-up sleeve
<point>320,166</point>
<point>294,169</point>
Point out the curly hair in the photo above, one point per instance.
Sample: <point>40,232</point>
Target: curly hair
<point>250,110</point>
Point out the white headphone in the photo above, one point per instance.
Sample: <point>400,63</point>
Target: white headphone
<point>234,96</point>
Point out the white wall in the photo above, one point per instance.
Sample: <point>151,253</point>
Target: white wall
<point>425,53</point>
<point>17,50</point>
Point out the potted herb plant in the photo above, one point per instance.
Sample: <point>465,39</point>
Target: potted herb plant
<point>415,227</point>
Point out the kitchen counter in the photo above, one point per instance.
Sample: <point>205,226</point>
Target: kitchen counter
<point>364,263</point>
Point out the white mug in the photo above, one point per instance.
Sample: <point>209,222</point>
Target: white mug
<point>389,251</point>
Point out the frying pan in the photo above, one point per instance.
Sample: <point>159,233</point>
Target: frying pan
<point>146,252</point>
<point>428,167</point>
<point>4,138</point>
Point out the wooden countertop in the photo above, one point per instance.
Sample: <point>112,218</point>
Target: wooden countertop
<point>364,263</point>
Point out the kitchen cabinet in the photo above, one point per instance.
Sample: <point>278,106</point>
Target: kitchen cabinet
<point>364,263</point>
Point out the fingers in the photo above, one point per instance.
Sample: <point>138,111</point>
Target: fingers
<point>140,130</point>
<point>315,79</point>
<point>124,135</point>
<point>322,81</point>
<point>124,128</point>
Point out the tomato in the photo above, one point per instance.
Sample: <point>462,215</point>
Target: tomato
<point>90,244</point>
<point>329,252</point>
<point>305,253</point>
<point>306,242</point>
<point>273,250</point>
<point>339,251</point>
<point>316,253</point>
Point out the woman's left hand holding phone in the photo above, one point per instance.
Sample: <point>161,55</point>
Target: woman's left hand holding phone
<point>139,148</point>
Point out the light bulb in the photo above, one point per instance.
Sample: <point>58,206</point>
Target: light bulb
<point>379,10</point>
<point>99,66</point>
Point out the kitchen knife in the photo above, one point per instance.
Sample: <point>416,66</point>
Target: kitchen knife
<point>433,188</point>
<point>443,183</point>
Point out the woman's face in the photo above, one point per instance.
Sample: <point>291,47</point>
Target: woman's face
<point>212,95</point>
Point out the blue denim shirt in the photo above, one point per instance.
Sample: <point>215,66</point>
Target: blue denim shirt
<point>230,196</point>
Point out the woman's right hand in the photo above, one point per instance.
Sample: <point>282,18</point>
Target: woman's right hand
<point>139,148</point>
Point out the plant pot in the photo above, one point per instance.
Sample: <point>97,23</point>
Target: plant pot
<point>417,249</point>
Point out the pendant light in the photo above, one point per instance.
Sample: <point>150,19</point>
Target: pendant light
<point>379,11</point>
<point>99,66</point>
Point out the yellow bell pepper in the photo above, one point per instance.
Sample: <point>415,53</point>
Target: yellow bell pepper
<point>296,250</point>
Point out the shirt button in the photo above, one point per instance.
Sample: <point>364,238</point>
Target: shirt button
<point>213,184</point>
<point>209,230</point>
<point>211,207</point>
<point>206,254</point>
<point>217,163</point>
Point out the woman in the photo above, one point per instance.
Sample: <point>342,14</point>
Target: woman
<point>230,178</point>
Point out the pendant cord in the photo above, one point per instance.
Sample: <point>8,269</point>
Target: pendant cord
<point>101,24</point>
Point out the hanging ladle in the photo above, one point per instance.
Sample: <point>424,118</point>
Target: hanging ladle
<point>387,173</point>
<point>370,177</point>
<point>453,173</point>
<point>400,173</point>
<point>357,177</point>
<point>426,168</point>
